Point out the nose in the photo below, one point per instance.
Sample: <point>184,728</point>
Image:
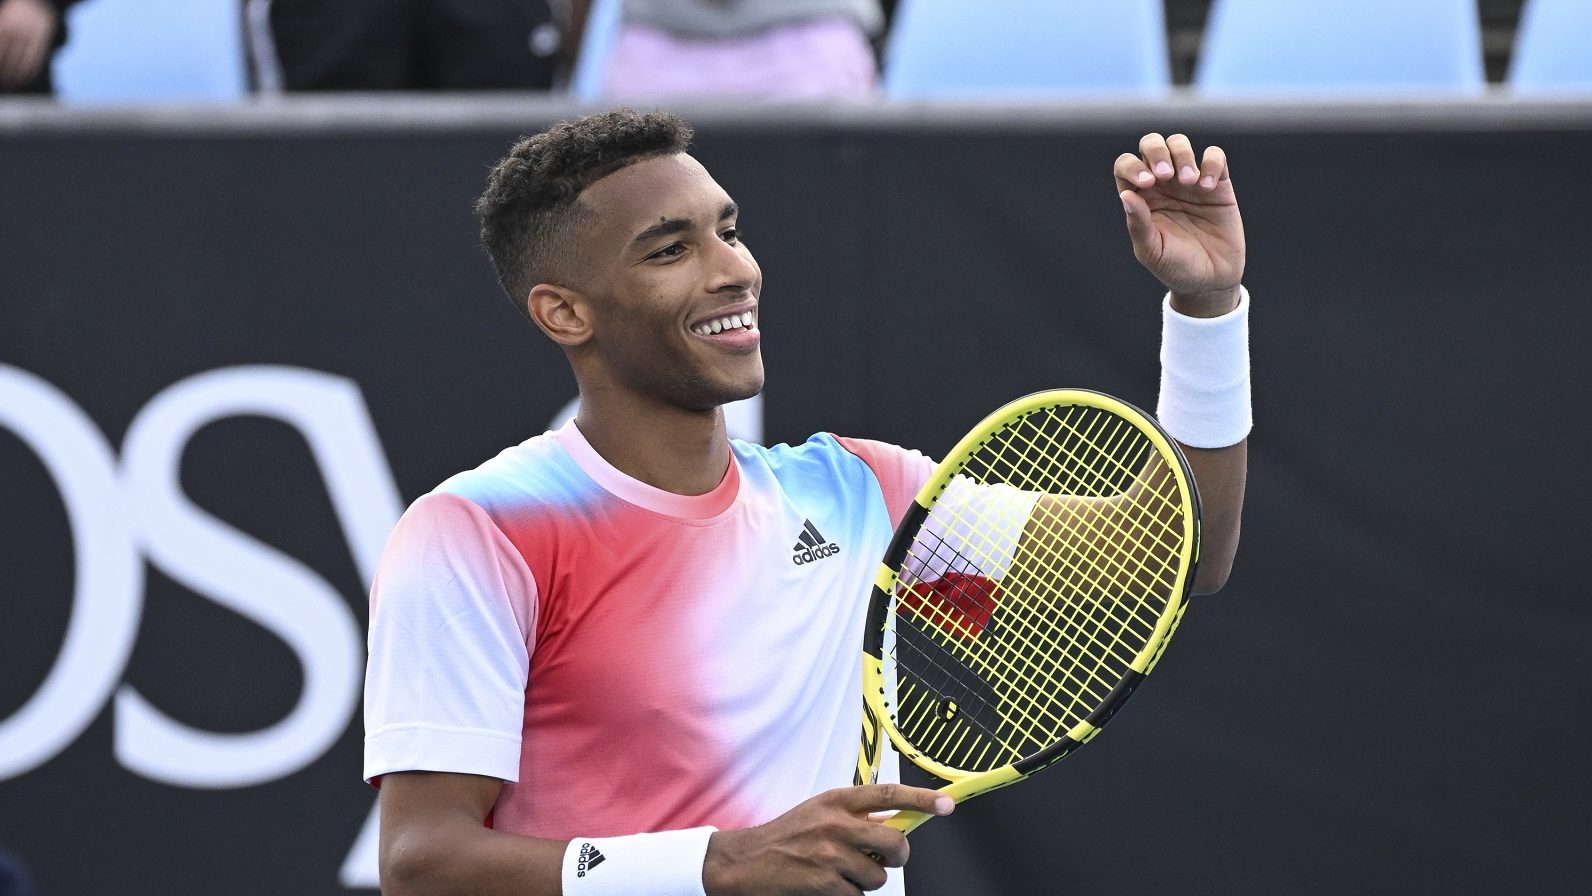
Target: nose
<point>733,268</point>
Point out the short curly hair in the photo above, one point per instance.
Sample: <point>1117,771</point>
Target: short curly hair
<point>528,211</point>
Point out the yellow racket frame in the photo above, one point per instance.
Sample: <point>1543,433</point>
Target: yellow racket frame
<point>876,715</point>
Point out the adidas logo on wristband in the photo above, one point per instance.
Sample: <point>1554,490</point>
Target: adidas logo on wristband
<point>667,862</point>
<point>588,859</point>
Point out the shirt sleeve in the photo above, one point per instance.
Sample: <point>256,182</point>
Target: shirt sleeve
<point>453,610</point>
<point>900,471</point>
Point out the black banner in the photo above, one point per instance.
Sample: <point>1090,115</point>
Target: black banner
<point>229,358</point>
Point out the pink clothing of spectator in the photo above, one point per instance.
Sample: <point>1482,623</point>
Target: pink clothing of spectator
<point>828,58</point>
<point>748,50</point>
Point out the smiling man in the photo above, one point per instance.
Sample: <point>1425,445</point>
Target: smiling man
<point>623,657</point>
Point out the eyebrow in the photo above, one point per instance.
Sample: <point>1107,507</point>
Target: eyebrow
<point>670,226</point>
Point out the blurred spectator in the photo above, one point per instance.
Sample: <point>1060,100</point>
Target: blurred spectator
<point>403,44</point>
<point>13,879</point>
<point>30,33</point>
<point>790,49</point>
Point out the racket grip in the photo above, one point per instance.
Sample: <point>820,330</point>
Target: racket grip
<point>907,820</point>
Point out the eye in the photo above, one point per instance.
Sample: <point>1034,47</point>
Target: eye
<point>673,250</point>
<point>731,235</point>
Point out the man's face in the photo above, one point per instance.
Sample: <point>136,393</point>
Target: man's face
<point>673,291</point>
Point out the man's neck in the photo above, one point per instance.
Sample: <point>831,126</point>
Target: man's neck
<point>679,451</point>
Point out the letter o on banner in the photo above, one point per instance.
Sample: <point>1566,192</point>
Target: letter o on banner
<point>108,573</point>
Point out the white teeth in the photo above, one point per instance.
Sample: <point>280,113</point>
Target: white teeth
<point>730,322</point>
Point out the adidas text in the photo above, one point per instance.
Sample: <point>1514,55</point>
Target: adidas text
<point>808,555</point>
<point>811,545</point>
<point>588,859</point>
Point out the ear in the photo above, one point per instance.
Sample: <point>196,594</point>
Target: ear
<point>562,313</point>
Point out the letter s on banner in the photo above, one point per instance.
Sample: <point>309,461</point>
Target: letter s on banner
<point>253,579</point>
<point>108,594</point>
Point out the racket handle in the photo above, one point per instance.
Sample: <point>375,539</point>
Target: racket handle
<point>907,820</point>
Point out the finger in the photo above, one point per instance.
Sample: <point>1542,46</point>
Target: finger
<point>1152,147</point>
<point>869,798</point>
<point>1140,228</point>
<point>862,871</point>
<point>1213,169</point>
<point>1131,172</point>
<point>887,845</point>
<point>1183,158</point>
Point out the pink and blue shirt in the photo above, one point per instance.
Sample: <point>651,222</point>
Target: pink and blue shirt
<point>626,659</point>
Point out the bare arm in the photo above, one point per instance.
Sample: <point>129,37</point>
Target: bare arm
<point>1220,473</point>
<point>1138,525</point>
<point>434,843</point>
<point>1182,216</point>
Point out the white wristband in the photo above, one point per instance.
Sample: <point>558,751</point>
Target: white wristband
<point>1205,376</point>
<point>664,864</point>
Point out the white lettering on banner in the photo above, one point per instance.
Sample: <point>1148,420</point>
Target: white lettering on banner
<point>108,576</point>
<point>143,510</point>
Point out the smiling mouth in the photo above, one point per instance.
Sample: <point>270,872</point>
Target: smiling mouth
<point>746,320</point>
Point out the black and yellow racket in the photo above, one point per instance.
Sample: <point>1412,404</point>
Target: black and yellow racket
<point>1030,588</point>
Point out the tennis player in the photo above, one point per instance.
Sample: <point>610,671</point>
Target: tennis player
<point>623,657</point>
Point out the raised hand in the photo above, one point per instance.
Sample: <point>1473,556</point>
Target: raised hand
<point>1183,218</point>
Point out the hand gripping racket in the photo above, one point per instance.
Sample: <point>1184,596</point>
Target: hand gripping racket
<point>1030,588</point>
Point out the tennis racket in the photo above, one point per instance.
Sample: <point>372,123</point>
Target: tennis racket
<point>1030,588</point>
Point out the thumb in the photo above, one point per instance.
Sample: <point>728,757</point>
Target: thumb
<point>1139,227</point>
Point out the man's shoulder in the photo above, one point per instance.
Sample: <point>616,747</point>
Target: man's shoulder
<point>819,450</point>
<point>537,470</point>
<point>819,443</point>
<point>827,455</point>
<point>863,466</point>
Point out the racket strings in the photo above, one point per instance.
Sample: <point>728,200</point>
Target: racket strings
<point>1165,500</point>
<point>1081,621</point>
<point>1100,555</point>
<point>990,672</point>
<point>1040,723</point>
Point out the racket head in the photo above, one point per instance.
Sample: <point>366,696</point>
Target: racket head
<point>1034,583</point>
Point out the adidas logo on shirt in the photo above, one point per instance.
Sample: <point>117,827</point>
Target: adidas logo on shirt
<point>588,859</point>
<point>812,547</point>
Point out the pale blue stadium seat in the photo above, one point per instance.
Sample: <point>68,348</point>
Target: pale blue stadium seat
<point>152,51</point>
<point>603,18</point>
<point>1553,48</point>
<point>952,49</point>
<point>1341,47</point>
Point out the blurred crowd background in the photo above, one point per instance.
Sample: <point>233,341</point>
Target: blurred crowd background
<point>627,50</point>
